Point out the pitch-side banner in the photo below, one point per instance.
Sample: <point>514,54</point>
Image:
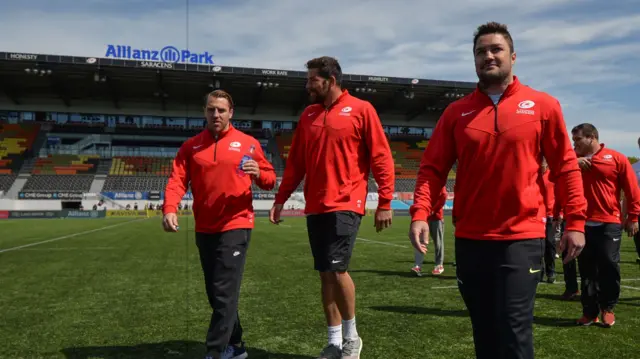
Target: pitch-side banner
<point>141,196</point>
<point>141,213</point>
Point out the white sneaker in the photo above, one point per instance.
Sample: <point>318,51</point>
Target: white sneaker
<point>351,348</point>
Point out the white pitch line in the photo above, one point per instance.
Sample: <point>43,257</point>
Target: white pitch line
<point>628,287</point>
<point>448,287</point>
<point>383,243</point>
<point>70,249</point>
<point>71,235</point>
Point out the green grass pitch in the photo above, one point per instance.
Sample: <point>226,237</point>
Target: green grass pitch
<point>132,291</point>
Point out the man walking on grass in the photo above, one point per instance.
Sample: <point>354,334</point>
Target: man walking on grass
<point>338,139</point>
<point>220,164</point>
<point>499,135</point>
<point>605,174</point>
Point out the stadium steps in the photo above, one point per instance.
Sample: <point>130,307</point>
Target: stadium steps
<point>39,142</point>
<point>97,184</point>
<point>17,186</point>
<point>28,166</point>
<point>104,166</point>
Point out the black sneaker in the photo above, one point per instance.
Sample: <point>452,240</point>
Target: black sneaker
<point>235,352</point>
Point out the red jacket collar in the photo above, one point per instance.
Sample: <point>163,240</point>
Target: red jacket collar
<point>510,90</point>
<point>343,96</point>
<point>222,134</point>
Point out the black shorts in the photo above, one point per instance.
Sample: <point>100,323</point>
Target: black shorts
<point>332,237</point>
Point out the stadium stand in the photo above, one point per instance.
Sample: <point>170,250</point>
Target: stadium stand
<point>283,139</point>
<point>59,183</point>
<point>141,166</point>
<point>407,153</point>
<point>66,165</point>
<point>135,183</point>
<point>16,141</point>
<point>6,181</point>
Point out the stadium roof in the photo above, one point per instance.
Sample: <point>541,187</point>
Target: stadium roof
<point>70,78</point>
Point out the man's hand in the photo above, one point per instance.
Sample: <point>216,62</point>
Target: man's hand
<point>419,235</point>
<point>170,222</point>
<point>573,242</point>
<point>383,219</point>
<point>631,227</point>
<point>251,167</point>
<point>584,163</point>
<point>274,213</point>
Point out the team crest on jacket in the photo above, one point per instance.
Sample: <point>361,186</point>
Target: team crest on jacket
<point>346,111</point>
<point>235,146</point>
<point>524,107</point>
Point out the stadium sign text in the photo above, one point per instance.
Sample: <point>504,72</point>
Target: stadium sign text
<point>168,54</point>
<point>275,72</point>
<point>378,79</point>
<point>23,56</point>
<point>50,195</point>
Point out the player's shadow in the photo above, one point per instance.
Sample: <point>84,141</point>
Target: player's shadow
<point>544,321</point>
<point>405,274</point>
<point>633,302</point>
<point>177,349</point>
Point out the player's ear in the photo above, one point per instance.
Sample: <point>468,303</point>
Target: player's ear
<point>230,113</point>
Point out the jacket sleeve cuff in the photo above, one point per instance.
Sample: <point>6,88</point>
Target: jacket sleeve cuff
<point>169,209</point>
<point>384,203</point>
<point>419,215</point>
<point>575,224</point>
<point>280,199</point>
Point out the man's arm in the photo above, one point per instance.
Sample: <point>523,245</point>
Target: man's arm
<point>441,201</point>
<point>565,172</point>
<point>629,185</point>
<point>178,181</point>
<point>295,168</point>
<point>437,160</point>
<point>267,178</point>
<point>382,165</point>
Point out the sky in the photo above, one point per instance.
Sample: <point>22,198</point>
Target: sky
<point>583,52</point>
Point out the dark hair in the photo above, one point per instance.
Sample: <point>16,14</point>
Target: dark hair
<point>219,94</point>
<point>587,130</point>
<point>493,28</point>
<point>327,67</point>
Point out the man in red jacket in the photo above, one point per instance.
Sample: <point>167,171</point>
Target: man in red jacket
<point>338,139</point>
<point>220,163</point>
<point>499,135</point>
<point>436,232</point>
<point>605,173</point>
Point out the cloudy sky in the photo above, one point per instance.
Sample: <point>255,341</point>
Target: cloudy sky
<point>584,52</point>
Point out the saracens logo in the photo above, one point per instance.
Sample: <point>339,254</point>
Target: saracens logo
<point>526,104</point>
<point>524,107</point>
<point>235,146</point>
<point>346,111</point>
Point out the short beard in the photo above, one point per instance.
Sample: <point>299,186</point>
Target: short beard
<point>488,80</point>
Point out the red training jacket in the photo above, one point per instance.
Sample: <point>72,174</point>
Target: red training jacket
<point>437,213</point>
<point>222,199</point>
<point>499,149</point>
<point>610,173</point>
<point>335,147</point>
<point>548,193</point>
